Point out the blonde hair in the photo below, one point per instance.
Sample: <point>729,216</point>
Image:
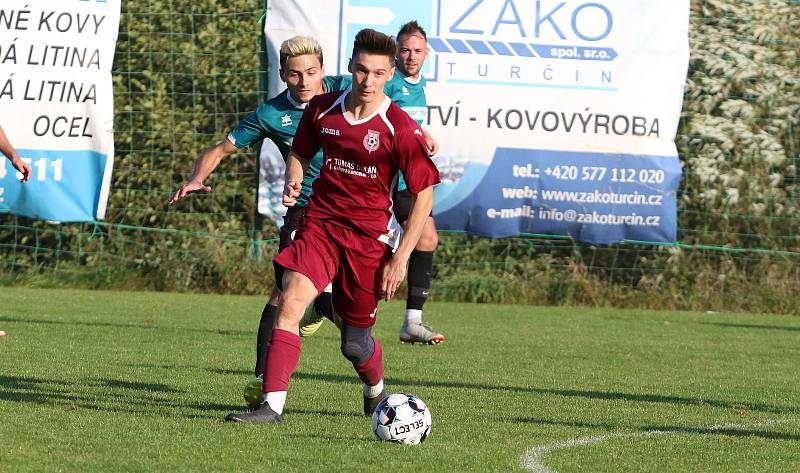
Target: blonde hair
<point>299,46</point>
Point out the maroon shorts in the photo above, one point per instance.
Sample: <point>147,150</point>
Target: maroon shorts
<point>325,252</point>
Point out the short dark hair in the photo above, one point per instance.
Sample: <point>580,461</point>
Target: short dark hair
<point>374,42</point>
<point>410,28</point>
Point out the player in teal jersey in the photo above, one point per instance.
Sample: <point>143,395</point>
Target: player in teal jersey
<point>277,120</point>
<point>407,89</point>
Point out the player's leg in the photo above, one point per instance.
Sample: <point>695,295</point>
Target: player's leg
<point>283,353</point>
<point>253,394</point>
<point>304,269</point>
<point>361,349</point>
<point>356,292</point>
<point>420,266</point>
<point>323,305</point>
<point>291,223</point>
<point>268,316</point>
<point>252,389</point>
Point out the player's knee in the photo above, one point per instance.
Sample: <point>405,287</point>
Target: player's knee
<point>292,305</point>
<point>357,345</point>
<point>355,352</point>
<point>428,241</point>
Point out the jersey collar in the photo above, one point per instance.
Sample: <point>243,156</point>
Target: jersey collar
<point>379,111</point>
<point>407,78</point>
<point>294,102</point>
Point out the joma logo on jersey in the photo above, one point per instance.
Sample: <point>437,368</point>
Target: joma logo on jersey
<point>372,140</point>
<point>329,131</point>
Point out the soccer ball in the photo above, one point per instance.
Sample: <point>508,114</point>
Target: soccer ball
<point>401,418</point>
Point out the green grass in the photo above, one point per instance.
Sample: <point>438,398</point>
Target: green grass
<point>115,381</point>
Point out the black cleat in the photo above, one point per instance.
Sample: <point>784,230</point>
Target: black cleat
<point>264,414</point>
<point>370,403</point>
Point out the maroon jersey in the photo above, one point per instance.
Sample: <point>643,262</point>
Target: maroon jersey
<point>361,160</point>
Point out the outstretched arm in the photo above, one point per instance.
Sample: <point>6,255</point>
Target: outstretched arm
<point>395,270</point>
<point>20,165</point>
<point>205,165</point>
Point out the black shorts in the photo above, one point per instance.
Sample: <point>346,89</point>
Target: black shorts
<point>291,222</point>
<point>402,206</point>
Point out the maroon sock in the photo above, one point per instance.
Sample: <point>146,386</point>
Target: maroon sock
<point>371,371</point>
<point>282,358</point>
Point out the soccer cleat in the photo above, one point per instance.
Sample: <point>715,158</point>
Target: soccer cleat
<point>311,322</point>
<point>419,332</point>
<point>253,392</point>
<point>264,414</point>
<point>370,403</point>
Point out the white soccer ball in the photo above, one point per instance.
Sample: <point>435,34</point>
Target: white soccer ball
<point>401,418</point>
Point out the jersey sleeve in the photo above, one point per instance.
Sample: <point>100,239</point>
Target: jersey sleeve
<point>306,141</point>
<point>418,169</point>
<point>250,130</point>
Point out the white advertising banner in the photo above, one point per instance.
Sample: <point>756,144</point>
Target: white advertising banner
<point>553,116</point>
<point>56,105</point>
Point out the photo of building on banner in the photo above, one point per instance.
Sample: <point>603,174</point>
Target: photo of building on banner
<point>552,117</point>
<point>56,103</point>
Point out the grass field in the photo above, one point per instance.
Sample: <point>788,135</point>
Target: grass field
<point>105,381</point>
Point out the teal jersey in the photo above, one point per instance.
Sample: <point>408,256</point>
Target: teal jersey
<point>410,96</point>
<point>277,120</point>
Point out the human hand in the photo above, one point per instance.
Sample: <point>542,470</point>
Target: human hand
<point>433,146</point>
<point>393,274</point>
<point>188,188</point>
<point>290,193</point>
<point>23,168</point>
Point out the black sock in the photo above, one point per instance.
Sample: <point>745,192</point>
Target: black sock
<point>268,316</point>
<point>420,265</point>
<point>323,305</point>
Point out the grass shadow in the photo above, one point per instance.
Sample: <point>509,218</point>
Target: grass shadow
<point>327,413</point>
<point>145,326</point>
<point>743,431</point>
<point>148,387</point>
<point>753,326</point>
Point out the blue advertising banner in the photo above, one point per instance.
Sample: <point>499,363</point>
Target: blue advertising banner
<point>45,196</point>
<point>553,116</point>
<point>56,99</point>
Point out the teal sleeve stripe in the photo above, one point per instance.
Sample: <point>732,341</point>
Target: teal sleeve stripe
<point>234,142</point>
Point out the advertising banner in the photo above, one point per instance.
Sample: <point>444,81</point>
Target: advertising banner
<point>56,106</point>
<point>553,116</point>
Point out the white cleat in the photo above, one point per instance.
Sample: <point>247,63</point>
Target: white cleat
<point>419,332</point>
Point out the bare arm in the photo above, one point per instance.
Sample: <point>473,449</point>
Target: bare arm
<point>9,151</point>
<point>296,167</point>
<point>203,167</point>
<point>395,270</point>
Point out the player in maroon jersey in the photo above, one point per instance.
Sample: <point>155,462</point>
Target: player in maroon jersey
<point>348,232</point>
